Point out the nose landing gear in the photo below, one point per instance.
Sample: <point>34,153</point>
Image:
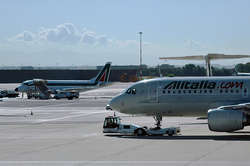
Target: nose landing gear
<point>158,119</point>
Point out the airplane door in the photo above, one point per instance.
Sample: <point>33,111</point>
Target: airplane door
<point>245,93</point>
<point>153,92</point>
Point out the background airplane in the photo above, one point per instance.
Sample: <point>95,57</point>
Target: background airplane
<point>47,87</point>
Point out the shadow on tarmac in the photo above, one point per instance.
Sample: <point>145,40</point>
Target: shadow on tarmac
<point>202,123</point>
<point>190,137</point>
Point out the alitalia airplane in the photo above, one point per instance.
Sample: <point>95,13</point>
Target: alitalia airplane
<point>58,86</point>
<point>224,100</point>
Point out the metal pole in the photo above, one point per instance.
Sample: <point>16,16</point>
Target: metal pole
<point>140,67</point>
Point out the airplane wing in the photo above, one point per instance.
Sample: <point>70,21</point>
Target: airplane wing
<point>83,89</point>
<point>74,89</point>
<point>229,118</point>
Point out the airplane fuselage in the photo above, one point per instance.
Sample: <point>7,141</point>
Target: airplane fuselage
<point>182,96</point>
<point>54,85</point>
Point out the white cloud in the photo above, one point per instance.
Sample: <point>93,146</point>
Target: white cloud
<point>68,33</point>
<point>25,36</point>
<point>89,37</point>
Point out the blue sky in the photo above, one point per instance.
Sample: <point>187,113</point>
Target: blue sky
<point>90,32</point>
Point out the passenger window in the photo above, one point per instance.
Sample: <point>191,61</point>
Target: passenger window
<point>126,126</point>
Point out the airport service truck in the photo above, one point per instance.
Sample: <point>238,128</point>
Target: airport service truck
<point>8,93</point>
<point>64,94</point>
<point>112,124</point>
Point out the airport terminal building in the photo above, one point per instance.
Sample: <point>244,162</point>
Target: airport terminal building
<point>18,75</point>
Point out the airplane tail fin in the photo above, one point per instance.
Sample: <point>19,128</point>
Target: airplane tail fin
<point>103,75</point>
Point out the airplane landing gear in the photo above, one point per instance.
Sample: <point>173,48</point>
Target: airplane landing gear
<point>158,119</point>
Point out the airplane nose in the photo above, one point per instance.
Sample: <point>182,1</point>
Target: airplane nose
<point>115,103</point>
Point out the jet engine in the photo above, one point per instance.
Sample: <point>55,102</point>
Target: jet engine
<point>227,120</point>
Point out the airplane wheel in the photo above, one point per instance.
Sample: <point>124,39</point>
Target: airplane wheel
<point>170,133</point>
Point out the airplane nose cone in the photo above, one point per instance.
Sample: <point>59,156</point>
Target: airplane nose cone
<point>115,103</point>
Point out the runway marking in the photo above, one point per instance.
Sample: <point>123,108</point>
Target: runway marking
<point>205,163</point>
<point>51,137</point>
<point>55,109</point>
<point>48,104</point>
<point>67,117</point>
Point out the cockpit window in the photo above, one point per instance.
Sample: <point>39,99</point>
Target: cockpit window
<point>128,91</point>
<point>131,91</point>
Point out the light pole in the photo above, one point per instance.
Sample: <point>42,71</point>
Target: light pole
<point>140,60</point>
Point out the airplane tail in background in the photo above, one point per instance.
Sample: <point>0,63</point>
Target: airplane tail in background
<point>103,75</point>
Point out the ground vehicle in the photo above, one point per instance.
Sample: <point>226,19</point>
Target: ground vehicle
<point>8,93</point>
<point>112,124</point>
<point>70,95</point>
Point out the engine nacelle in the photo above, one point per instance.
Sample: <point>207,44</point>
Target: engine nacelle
<point>227,120</point>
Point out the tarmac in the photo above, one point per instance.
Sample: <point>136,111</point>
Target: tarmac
<point>69,132</point>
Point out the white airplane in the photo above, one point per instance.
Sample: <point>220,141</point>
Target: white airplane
<point>224,100</point>
<point>57,86</point>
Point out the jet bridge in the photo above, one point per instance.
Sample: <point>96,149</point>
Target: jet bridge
<point>207,59</point>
